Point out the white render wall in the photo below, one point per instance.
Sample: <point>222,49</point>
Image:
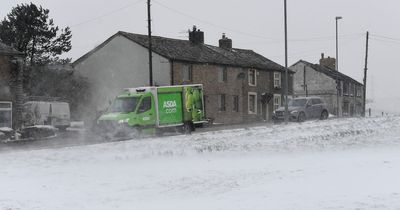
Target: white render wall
<point>121,63</point>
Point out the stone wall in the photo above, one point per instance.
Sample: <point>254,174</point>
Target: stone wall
<point>236,85</point>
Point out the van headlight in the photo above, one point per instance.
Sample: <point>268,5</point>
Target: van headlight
<point>123,121</point>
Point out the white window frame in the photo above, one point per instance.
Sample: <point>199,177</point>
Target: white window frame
<point>255,77</point>
<point>255,102</point>
<point>279,104</point>
<point>277,80</point>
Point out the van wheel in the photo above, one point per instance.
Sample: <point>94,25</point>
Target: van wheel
<point>324,115</point>
<point>187,128</point>
<point>301,117</point>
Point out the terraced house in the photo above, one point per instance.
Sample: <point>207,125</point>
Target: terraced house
<point>239,85</point>
<point>321,80</point>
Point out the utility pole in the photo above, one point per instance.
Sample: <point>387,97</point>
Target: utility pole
<point>286,69</point>
<point>365,74</point>
<point>150,44</point>
<point>337,67</point>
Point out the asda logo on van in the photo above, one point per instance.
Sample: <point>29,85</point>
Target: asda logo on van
<point>169,107</point>
<point>169,104</point>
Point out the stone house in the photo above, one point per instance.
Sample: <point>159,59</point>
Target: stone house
<point>7,64</point>
<point>239,85</point>
<point>10,63</point>
<point>320,80</point>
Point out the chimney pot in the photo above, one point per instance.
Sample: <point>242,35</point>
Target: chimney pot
<point>196,36</point>
<point>225,42</point>
<point>327,62</point>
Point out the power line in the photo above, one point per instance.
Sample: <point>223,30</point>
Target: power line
<point>106,14</point>
<point>322,38</point>
<point>212,24</point>
<point>385,37</point>
<point>325,38</point>
<point>305,52</point>
<point>385,40</point>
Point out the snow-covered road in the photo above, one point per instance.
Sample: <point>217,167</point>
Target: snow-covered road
<point>333,164</point>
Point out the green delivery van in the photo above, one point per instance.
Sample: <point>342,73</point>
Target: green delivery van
<point>154,109</point>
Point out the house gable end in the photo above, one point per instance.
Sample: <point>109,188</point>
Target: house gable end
<point>102,45</point>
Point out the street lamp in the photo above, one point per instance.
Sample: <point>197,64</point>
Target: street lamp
<point>337,66</point>
<point>286,69</point>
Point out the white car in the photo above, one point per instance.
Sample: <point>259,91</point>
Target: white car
<point>52,113</point>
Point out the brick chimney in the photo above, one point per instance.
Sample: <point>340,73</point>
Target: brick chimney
<point>196,36</point>
<point>225,42</point>
<point>327,62</point>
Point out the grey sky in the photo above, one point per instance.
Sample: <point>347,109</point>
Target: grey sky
<point>252,24</point>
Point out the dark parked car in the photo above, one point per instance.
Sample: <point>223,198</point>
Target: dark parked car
<point>301,109</point>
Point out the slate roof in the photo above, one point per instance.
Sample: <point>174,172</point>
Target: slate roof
<point>7,50</point>
<point>329,72</point>
<point>184,50</point>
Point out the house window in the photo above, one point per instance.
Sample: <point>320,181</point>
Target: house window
<point>221,102</point>
<point>187,73</point>
<point>339,88</point>
<point>352,89</point>
<point>277,101</point>
<point>222,74</point>
<point>345,108</point>
<point>345,88</point>
<point>277,80</point>
<point>236,103</point>
<point>252,77</point>
<point>358,94</point>
<point>252,103</point>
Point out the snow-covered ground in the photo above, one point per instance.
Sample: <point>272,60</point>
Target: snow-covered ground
<point>333,164</point>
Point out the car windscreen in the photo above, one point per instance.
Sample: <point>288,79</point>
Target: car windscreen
<point>298,102</point>
<point>127,104</point>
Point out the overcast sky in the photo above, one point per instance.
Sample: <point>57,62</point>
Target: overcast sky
<point>252,24</point>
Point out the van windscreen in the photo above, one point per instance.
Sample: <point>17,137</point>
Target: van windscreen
<point>127,104</point>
